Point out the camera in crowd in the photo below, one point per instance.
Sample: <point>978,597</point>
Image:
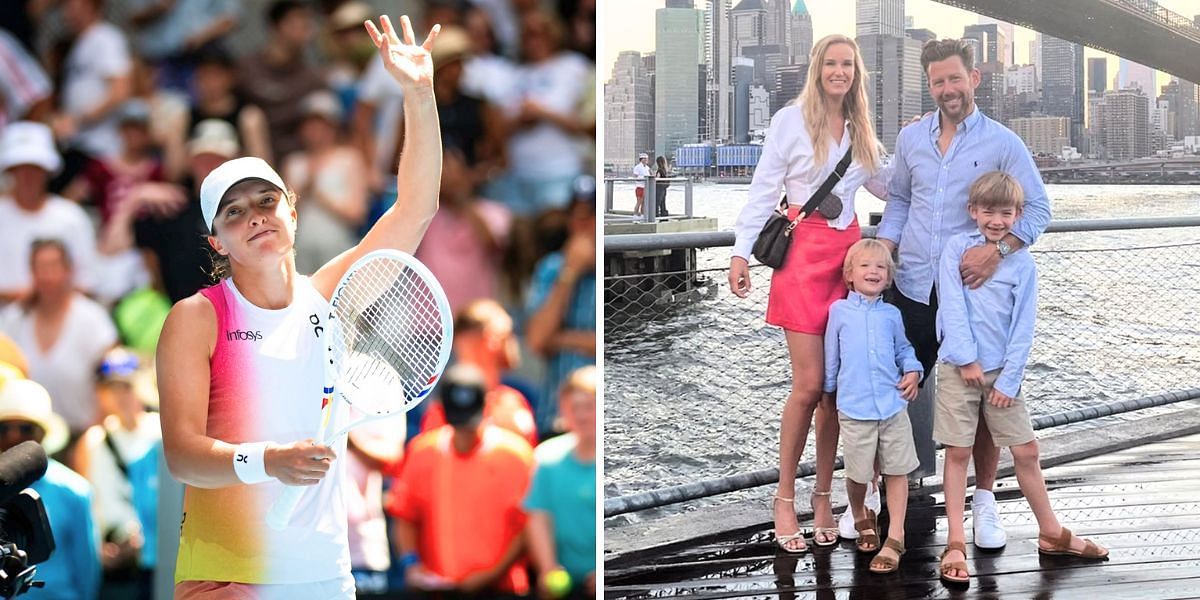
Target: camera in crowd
<point>25,536</point>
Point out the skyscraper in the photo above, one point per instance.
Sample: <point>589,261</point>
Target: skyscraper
<point>993,43</point>
<point>894,89</point>
<point>991,47</point>
<point>628,111</point>
<point>1126,123</point>
<point>1008,52</point>
<point>719,93</point>
<point>679,50</point>
<point>789,82</point>
<point>743,79</point>
<point>1097,75</point>
<point>879,17</point>
<point>800,33</point>
<point>923,36</point>
<point>1062,83</point>
<point>1180,97</point>
<point>893,66</point>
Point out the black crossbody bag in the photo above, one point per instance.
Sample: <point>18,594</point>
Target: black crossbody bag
<point>773,242</point>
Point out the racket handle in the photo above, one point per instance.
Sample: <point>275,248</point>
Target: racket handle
<point>281,511</point>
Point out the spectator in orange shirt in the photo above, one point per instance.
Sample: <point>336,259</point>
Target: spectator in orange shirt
<point>457,501</point>
<point>483,338</point>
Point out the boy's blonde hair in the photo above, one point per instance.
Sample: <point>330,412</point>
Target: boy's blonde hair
<point>873,246</point>
<point>996,190</point>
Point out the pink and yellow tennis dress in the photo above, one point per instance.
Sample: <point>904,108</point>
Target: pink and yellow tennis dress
<point>265,385</point>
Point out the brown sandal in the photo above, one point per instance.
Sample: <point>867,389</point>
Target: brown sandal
<point>887,564</point>
<point>1062,546</point>
<point>867,542</point>
<point>959,565</point>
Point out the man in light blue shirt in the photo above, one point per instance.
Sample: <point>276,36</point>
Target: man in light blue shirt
<point>936,161</point>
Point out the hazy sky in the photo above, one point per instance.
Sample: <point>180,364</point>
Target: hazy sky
<point>629,25</point>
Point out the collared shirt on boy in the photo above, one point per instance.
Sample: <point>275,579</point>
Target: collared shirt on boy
<point>866,352</point>
<point>992,324</point>
<point>927,194</point>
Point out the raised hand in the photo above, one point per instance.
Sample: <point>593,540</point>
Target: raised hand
<point>410,64</point>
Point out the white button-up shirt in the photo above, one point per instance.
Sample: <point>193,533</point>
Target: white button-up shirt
<point>787,165</point>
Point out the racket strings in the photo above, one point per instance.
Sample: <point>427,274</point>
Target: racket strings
<point>391,334</point>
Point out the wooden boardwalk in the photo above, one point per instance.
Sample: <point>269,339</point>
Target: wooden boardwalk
<point>1143,503</point>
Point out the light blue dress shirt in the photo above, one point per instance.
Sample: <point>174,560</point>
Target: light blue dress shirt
<point>866,352</point>
<point>927,195</point>
<point>992,324</point>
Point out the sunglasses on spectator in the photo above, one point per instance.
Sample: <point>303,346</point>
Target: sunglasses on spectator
<point>21,427</point>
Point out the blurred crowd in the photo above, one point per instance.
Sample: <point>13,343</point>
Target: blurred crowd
<point>112,112</point>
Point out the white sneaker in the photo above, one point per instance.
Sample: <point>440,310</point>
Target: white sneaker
<point>846,528</point>
<point>985,517</point>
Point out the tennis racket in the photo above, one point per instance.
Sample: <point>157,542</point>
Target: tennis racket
<point>387,339</point>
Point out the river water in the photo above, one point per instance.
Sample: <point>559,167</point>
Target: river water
<point>694,388</point>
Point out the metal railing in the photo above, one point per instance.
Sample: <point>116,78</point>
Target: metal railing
<point>1116,332</point>
<point>650,212</point>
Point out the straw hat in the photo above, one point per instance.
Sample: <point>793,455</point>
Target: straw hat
<point>26,400</point>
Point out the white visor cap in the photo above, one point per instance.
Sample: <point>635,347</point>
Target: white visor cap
<point>229,174</point>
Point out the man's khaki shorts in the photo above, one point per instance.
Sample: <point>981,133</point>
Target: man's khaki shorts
<point>891,440</point>
<point>958,407</point>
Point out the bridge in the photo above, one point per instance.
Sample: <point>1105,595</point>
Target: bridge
<point>1120,27</point>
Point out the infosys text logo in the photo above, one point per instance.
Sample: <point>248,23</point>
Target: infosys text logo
<point>243,336</point>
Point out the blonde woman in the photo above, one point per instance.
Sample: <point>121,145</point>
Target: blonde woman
<point>804,144</point>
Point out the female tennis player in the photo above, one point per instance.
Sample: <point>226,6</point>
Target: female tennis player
<point>240,367</point>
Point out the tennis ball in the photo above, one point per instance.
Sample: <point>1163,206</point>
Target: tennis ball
<point>558,583</point>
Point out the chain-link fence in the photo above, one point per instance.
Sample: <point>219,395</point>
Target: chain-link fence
<point>695,380</point>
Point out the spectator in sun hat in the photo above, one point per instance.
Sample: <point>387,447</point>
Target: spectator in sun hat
<point>176,236</point>
<point>469,122</point>
<point>29,211</point>
<point>73,569</point>
<point>119,456</point>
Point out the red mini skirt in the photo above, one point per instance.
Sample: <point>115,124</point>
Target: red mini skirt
<point>811,277</point>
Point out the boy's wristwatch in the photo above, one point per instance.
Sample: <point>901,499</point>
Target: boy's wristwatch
<point>1004,248</point>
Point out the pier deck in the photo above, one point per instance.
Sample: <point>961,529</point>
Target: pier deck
<point>1142,502</point>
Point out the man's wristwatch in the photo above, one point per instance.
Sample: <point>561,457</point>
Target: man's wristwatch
<point>1004,248</point>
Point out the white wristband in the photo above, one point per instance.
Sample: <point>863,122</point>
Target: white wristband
<point>248,462</point>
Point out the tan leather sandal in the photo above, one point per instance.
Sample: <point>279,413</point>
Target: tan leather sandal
<point>867,542</point>
<point>823,536</point>
<point>1062,546</point>
<point>887,564</point>
<point>945,568</point>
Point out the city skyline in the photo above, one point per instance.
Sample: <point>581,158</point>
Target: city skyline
<point>637,34</point>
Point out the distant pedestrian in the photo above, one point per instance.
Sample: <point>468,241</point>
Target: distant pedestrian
<point>660,188</point>
<point>641,170</point>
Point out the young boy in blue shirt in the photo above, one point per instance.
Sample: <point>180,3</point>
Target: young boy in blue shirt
<point>866,353</point>
<point>985,336</point>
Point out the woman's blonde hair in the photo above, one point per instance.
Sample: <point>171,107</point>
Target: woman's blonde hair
<point>855,108</point>
<point>872,246</point>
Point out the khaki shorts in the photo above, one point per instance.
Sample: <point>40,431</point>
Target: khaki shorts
<point>889,440</point>
<point>958,407</point>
